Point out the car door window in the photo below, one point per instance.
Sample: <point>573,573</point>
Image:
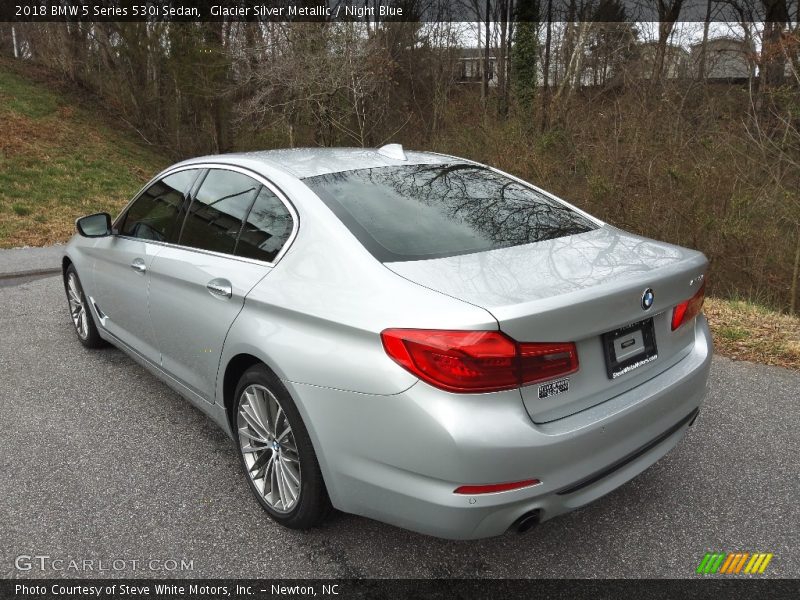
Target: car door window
<point>266,229</point>
<point>153,215</point>
<point>215,216</point>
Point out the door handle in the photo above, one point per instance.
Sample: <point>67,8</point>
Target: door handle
<point>138,265</point>
<point>220,287</point>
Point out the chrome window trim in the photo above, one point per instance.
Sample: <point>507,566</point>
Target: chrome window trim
<point>225,167</point>
<point>528,185</point>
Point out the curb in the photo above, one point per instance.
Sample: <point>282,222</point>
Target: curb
<point>31,273</point>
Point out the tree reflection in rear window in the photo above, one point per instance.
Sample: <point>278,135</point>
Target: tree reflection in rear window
<point>427,211</point>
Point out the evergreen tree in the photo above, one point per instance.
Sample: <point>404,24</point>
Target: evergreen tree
<point>524,55</point>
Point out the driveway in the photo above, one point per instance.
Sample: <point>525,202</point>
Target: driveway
<point>102,462</point>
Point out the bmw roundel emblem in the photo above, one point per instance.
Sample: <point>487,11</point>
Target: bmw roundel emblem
<point>648,297</point>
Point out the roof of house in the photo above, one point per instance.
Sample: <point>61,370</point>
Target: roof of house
<point>476,52</point>
<point>726,40</point>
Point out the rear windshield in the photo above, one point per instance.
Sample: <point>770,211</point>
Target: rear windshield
<point>418,212</point>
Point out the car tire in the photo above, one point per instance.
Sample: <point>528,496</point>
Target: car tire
<point>276,453</point>
<point>82,317</point>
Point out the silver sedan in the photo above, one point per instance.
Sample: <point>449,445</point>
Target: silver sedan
<point>408,336</point>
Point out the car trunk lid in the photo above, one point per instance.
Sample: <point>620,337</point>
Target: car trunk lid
<point>578,289</point>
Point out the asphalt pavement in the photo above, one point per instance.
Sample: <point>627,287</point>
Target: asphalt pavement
<point>101,462</point>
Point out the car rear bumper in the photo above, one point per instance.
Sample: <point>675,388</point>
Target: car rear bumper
<point>399,458</point>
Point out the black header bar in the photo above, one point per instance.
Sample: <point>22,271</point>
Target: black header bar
<point>389,10</point>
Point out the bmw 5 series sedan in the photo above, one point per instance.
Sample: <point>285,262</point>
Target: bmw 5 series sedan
<point>409,336</point>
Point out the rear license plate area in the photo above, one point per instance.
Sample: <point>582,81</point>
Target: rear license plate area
<point>629,347</point>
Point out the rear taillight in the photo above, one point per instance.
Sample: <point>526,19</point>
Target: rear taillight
<point>540,361</point>
<point>688,310</point>
<point>477,361</point>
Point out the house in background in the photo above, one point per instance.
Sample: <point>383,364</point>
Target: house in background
<point>676,61</point>
<point>728,59</point>
<point>470,65</point>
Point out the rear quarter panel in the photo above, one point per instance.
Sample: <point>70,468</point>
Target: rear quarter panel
<point>316,318</point>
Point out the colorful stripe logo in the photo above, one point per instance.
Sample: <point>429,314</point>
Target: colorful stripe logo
<point>734,563</point>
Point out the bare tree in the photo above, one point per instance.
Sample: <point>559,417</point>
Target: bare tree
<point>334,74</point>
<point>668,13</point>
<point>701,66</point>
<point>546,67</point>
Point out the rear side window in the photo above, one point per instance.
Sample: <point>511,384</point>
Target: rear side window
<point>153,215</point>
<point>419,212</point>
<point>215,217</point>
<point>266,229</point>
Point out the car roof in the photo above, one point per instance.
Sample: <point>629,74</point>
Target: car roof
<point>309,162</point>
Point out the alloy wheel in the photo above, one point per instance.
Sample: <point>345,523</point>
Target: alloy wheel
<point>269,449</point>
<point>77,307</point>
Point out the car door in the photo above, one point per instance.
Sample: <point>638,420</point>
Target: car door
<point>234,228</point>
<point>121,261</point>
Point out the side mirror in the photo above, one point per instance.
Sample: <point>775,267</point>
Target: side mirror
<point>93,226</point>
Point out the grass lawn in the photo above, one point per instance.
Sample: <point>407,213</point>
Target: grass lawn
<point>59,161</point>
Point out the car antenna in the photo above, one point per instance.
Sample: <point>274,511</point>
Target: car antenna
<point>394,151</point>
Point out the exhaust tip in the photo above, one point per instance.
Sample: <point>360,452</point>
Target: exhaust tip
<point>526,522</point>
